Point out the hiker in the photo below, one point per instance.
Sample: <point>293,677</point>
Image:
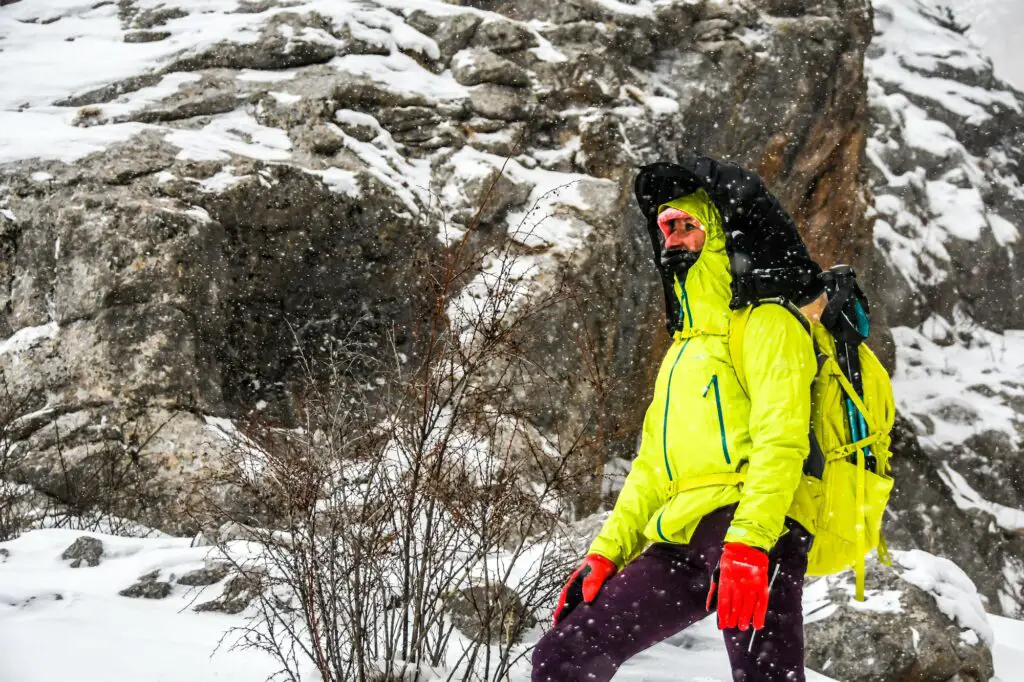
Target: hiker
<point>719,493</point>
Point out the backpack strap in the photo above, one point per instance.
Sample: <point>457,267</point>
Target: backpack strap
<point>814,465</point>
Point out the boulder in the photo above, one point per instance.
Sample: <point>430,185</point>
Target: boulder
<point>921,621</point>
<point>503,36</point>
<point>490,614</point>
<point>480,65</point>
<point>210,574</point>
<point>501,102</point>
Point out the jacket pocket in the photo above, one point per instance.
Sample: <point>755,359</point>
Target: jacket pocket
<point>713,385</point>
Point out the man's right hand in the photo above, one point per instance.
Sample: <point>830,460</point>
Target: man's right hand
<point>584,584</point>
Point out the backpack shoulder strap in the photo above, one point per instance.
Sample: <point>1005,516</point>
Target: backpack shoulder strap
<point>738,329</point>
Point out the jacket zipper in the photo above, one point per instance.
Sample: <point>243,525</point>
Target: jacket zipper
<point>721,419</point>
<point>668,401</point>
<point>686,302</point>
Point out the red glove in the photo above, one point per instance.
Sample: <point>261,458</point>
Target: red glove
<point>743,591</point>
<point>584,584</point>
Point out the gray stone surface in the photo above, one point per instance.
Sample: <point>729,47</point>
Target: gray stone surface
<point>85,549</point>
<point>210,574</point>
<point>148,587</point>
<point>898,635</point>
<point>480,65</point>
<point>180,284</point>
<point>238,593</point>
<point>490,614</point>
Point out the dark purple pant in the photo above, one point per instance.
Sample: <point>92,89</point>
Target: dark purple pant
<point>663,591</point>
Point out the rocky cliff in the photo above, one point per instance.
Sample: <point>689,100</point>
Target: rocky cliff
<point>217,185</point>
<point>233,182</point>
<point>944,165</point>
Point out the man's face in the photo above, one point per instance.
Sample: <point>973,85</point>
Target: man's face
<point>681,230</point>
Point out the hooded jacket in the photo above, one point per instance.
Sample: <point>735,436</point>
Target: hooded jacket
<point>701,424</point>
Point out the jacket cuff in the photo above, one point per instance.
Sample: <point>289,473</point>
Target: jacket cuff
<point>608,550</point>
<point>745,537</point>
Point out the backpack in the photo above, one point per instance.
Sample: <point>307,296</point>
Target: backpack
<point>851,415</point>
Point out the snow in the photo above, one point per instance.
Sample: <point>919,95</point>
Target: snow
<point>955,594</point>
<point>936,198</point>
<point>47,606</point>
<point>236,133</point>
<point>967,498</point>
<point>340,181</point>
<point>1008,653</point>
<point>26,338</point>
<point>60,623</point>
<point>913,45</point>
<point>963,388</point>
<point>42,63</point>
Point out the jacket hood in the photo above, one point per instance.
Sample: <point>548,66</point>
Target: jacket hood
<point>766,255</point>
<point>703,299</point>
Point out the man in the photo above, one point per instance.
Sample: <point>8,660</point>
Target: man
<point>717,488</point>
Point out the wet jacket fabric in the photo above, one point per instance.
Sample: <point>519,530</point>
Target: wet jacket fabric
<point>702,423</point>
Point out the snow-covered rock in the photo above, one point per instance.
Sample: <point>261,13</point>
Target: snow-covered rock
<point>923,621</point>
<point>944,162</point>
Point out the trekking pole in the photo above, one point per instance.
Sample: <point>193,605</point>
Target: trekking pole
<point>771,584</point>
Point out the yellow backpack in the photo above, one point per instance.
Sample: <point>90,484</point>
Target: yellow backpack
<point>849,458</point>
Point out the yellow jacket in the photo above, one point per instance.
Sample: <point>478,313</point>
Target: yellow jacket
<point>701,422</point>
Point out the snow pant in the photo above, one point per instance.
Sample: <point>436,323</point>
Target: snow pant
<point>665,590</point>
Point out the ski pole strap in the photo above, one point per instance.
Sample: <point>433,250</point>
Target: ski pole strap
<point>859,568</point>
<point>883,550</point>
<point>851,393</point>
<point>844,451</point>
<point>694,482</point>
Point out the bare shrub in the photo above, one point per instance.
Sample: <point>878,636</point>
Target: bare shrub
<point>409,528</point>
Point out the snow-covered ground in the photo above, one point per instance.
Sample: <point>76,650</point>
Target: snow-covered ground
<point>46,606</point>
<point>64,623</point>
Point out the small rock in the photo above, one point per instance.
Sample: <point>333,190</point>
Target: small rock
<point>504,36</point>
<point>480,65</point>
<point>712,29</point>
<point>148,587</point>
<point>454,33</point>
<point>85,549</point>
<point>237,595</point>
<point>492,614</point>
<point>208,575</point>
<point>146,36</point>
<point>323,139</point>
<point>151,18</point>
<point>5,554</point>
<point>501,102</point>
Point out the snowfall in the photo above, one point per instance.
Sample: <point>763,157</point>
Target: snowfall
<point>64,623</point>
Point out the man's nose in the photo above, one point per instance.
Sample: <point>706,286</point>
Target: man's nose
<point>678,238</point>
